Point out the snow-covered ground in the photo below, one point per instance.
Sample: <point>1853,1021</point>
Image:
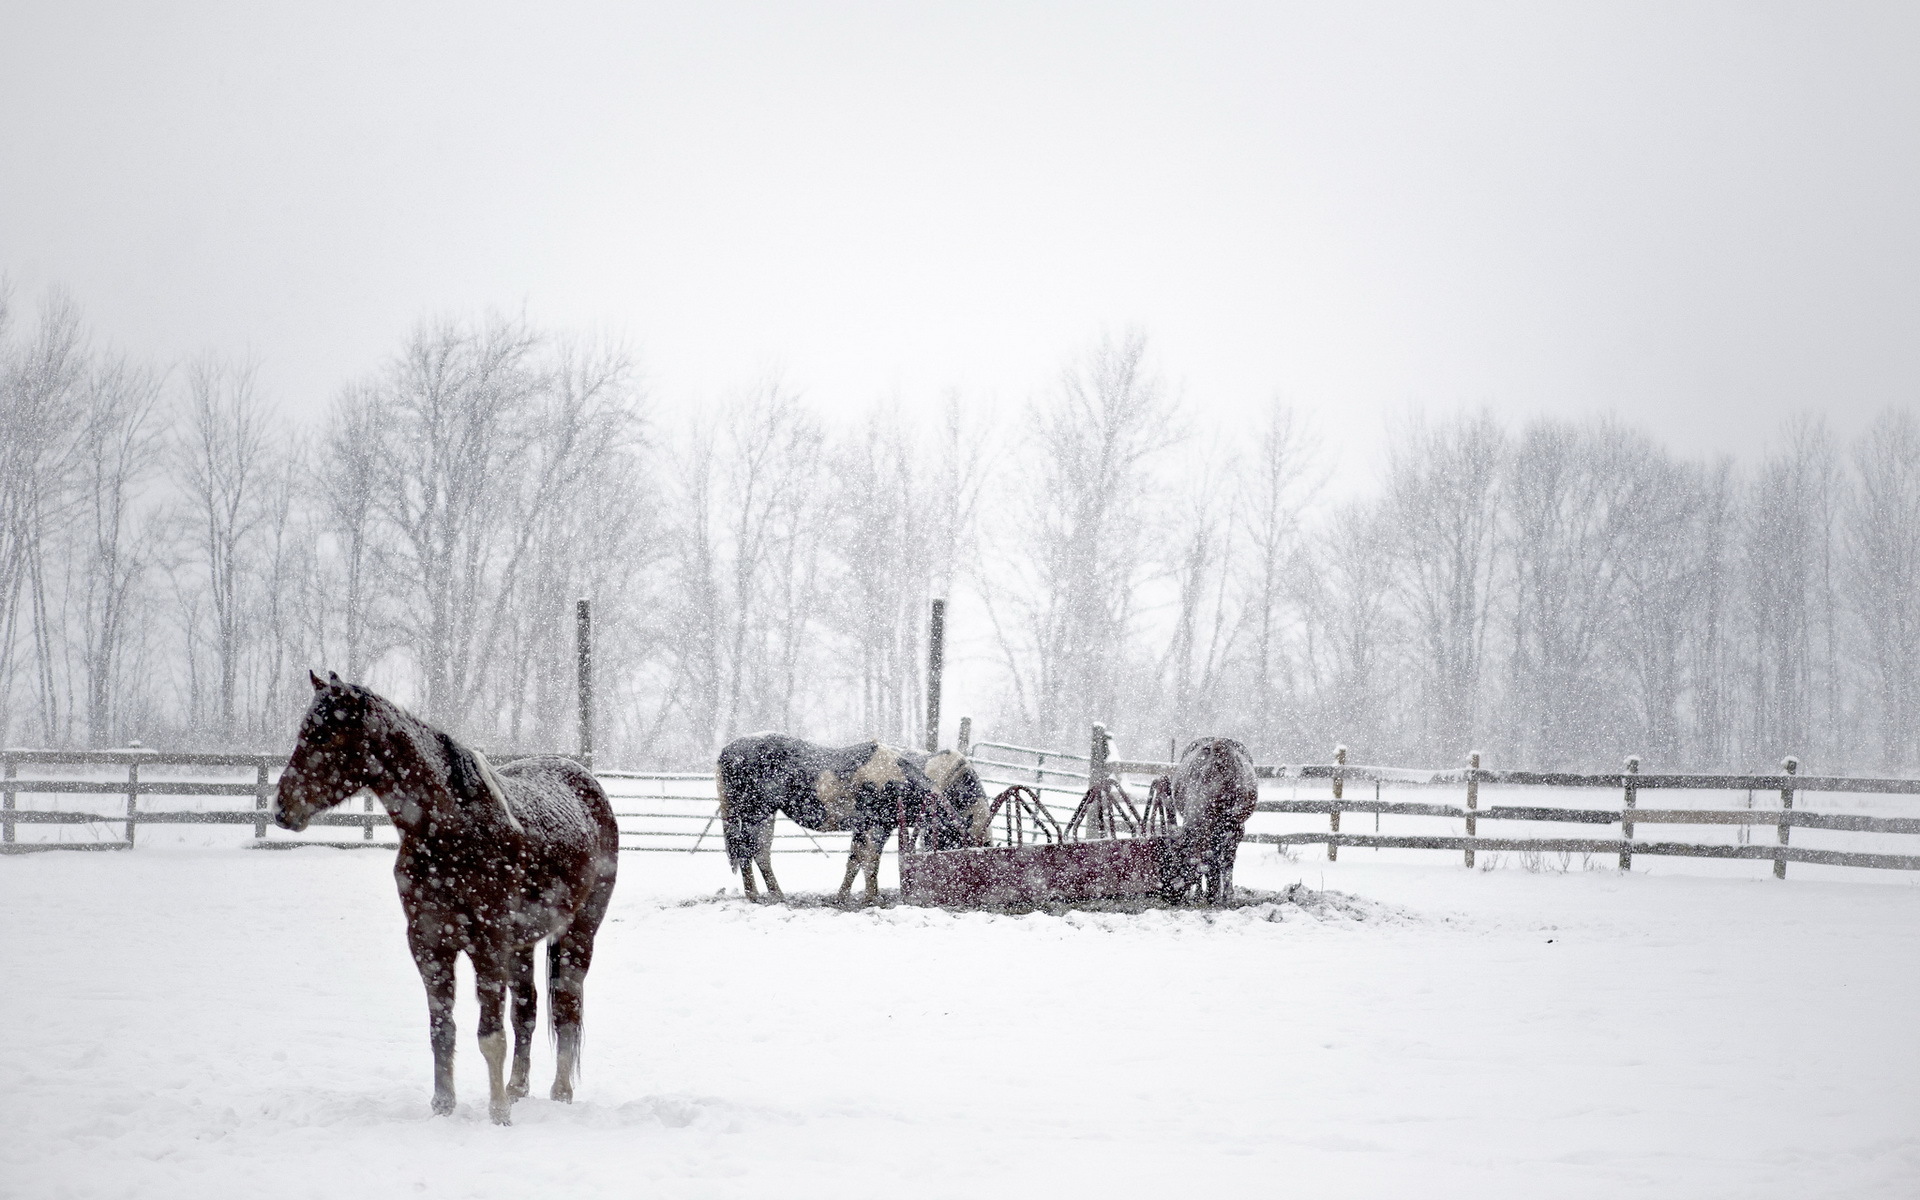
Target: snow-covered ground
<point>211,1022</point>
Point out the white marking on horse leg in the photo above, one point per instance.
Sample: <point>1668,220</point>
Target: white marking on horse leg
<point>567,1051</point>
<point>493,1047</point>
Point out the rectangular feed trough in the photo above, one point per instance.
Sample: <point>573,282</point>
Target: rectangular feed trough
<point>1110,869</point>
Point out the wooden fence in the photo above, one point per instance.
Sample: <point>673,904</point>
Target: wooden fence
<point>660,811</point>
<point>657,811</point>
<point>1068,774</point>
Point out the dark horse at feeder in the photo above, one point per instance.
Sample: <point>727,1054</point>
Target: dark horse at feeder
<point>490,863</point>
<point>862,789</point>
<point>1213,793</point>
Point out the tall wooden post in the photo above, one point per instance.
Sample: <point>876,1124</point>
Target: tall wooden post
<point>6,797</point>
<point>133,799</point>
<point>1792,767</point>
<point>936,666</point>
<point>260,797</point>
<point>1626,813</point>
<point>583,653</point>
<point>965,742</point>
<point>1473,800</point>
<point>1339,786</point>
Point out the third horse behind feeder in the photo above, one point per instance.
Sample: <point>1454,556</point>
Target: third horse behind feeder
<point>1213,793</point>
<point>861,789</point>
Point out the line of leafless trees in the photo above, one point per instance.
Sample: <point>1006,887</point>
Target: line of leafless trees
<point>175,553</point>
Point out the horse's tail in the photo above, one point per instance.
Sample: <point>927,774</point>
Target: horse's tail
<point>733,826</point>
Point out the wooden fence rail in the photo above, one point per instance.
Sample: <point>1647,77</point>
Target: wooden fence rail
<point>663,822</point>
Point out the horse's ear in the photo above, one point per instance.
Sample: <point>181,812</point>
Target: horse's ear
<point>332,678</point>
<point>318,683</point>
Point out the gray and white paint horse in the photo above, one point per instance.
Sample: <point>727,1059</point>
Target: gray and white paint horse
<point>861,789</point>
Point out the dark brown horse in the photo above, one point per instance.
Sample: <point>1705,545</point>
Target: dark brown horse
<point>862,789</point>
<point>490,863</point>
<point>1214,791</point>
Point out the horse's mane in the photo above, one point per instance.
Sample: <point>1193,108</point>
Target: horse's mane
<point>468,770</point>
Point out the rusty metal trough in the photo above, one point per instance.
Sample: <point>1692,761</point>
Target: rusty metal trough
<point>1109,850</point>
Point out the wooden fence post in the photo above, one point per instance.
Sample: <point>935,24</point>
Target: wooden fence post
<point>1792,767</point>
<point>965,744</point>
<point>133,799</point>
<point>1339,786</point>
<point>1473,799</point>
<point>1097,757</point>
<point>1626,814</point>
<point>583,655</point>
<point>6,797</point>
<point>260,797</point>
<point>936,668</point>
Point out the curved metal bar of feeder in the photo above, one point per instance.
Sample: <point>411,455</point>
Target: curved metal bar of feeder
<point>1026,802</point>
<point>1099,812</point>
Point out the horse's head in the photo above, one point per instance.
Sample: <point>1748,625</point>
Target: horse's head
<point>959,816</point>
<point>333,757</point>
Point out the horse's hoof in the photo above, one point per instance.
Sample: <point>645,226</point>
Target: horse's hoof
<point>502,1114</point>
<point>562,1093</point>
<point>442,1105</point>
<point>518,1090</point>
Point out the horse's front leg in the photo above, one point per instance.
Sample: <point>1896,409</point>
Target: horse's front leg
<point>435,961</point>
<point>875,844</point>
<point>526,1007</point>
<point>491,967</point>
<point>853,868</point>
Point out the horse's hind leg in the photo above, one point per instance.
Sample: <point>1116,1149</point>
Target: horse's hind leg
<point>763,854</point>
<point>569,954</point>
<point>490,975</point>
<point>526,1006</point>
<point>568,957</point>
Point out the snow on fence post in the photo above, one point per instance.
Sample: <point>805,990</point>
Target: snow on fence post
<point>1097,756</point>
<point>133,799</point>
<point>1792,767</point>
<point>583,654</point>
<point>260,797</point>
<point>1339,786</point>
<point>936,667</point>
<point>1626,814</point>
<point>965,744</point>
<point>1473,799</point>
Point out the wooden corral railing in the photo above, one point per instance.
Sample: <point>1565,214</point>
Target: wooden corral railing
<point>657,811</point>
<point>1066,774</point>
<point>664,811</point>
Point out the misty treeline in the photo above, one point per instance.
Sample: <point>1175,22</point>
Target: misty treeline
<point>175,554</point>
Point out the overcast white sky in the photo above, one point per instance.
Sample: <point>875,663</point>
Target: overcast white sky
<point>1701,217</point>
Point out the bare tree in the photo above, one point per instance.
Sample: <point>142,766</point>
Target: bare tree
<point>222,465</point>
<point>41,404</point>
<point>1345,587</point>
<point>1883,529</point>
<point>119,451</point>
<point>1442,492</point>
<point>1077,549</point>
<point>1280,484</point>
<point>1567,504</point>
